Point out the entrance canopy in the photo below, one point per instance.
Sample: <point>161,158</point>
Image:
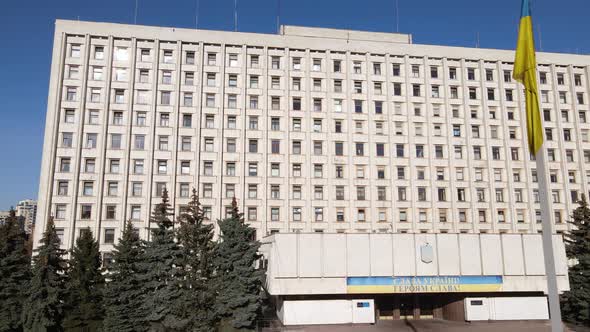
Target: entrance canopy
<point>322,263</point>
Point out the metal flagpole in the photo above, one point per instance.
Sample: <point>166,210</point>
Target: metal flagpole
<point>135,14</point>
<point>548,253</point>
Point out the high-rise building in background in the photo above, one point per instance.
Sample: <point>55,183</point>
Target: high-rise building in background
<point>27,209</point>
<point>312,130</point>
<point>3,216</point>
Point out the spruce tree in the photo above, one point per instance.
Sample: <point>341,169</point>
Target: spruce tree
<point>161,273</point>
<point>196,239</point>
<point>15,272</point>
<point>83,303</point>
<point>43,309</point>
<point>238,280</point>
<point>123,292</point>
<point>576,302</point>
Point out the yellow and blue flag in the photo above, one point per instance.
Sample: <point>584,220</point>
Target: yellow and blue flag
<point>525,71</point>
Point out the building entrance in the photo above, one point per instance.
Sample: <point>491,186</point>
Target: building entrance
<point>409,306</point>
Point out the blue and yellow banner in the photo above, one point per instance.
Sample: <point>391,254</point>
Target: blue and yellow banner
<point>423,284</point>
<point>525,72</point>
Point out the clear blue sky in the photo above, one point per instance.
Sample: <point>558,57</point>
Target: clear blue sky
<point>26,30</point>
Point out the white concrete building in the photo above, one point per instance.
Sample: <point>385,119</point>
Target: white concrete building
<point>28,210</point>
<point>312,130</point>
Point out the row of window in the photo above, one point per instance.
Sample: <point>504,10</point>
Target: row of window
<point>318,214</point>
<point>143,97</point>
<point>316,64</point>
<point>112,189</point>
<point>318,149</point>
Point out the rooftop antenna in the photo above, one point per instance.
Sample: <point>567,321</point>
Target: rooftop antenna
<point>539,37</point>
<point>236,15</point>
<point>135,14</point>
<point>397,16</point>
<point>197,15</point>
<point>278,16</point>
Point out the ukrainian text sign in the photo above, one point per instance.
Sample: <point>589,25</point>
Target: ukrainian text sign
<point>423,284</point>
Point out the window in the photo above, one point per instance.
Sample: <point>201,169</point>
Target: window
<point>401,194</point>
<point>252,169</point>
<point>99,52</point>
<point>230,145</point>
<point>189,58</point>
<point>317,170</point>
<point>254,60</point>
<point>232,60</point>
<point>360,149</point>
<point>356,67</point>
<point>252,214</point>
<point>296,170</point>
<point>416,90</point>
<point>296,104</point>
<point>275,146</point>
<point>136,189</point>
<point>210,100</point>
<point>275,62</point>
<point>275,169</point>
<point>296,63</point>
<point>138,166</point>
<point>230,190</point>
<point>85,211</point>
<point>253,146</point>
<point>230,168</point>
<point>380,149</point>
<point>296,214</point>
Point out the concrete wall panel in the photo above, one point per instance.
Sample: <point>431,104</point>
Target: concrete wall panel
<point>533,255</point>
<point>310,258</point>
<point>404,262</point>
<point>381,255</point>
<point>470,254</point>
<point>286,255</point>
<point>358,259</point>
<point>560,257</point>
<point>334,255</point>
<point>491,254</point>
<point>512,254</point>
<point>448,254</point>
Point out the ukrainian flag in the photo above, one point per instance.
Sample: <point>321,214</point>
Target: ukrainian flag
<point>525,71</point>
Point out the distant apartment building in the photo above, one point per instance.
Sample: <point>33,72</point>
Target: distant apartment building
<point>3,216</point>
<point>28,210</point>
<point>312,130</point>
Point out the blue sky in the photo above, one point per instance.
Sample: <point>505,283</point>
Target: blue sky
<point>26,30</point>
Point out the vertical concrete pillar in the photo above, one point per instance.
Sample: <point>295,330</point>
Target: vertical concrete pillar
<point>416,307</point>
<point>396,307</point>
<point>437,311</point>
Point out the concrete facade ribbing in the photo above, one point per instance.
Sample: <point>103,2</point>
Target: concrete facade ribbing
<point>121,96</point>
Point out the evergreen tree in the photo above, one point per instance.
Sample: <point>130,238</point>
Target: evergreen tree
<point>161,274</point>
<point>239,282</point>
<point>83,302</point>
<point>43,309</point>
<point>123,292</point>
<point>15,272</point>
<point>198,247</point>
<point>576,302</point>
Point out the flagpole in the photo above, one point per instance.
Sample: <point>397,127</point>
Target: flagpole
<point>547,236</point>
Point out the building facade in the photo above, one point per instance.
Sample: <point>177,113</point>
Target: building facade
<point>312,130</point>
